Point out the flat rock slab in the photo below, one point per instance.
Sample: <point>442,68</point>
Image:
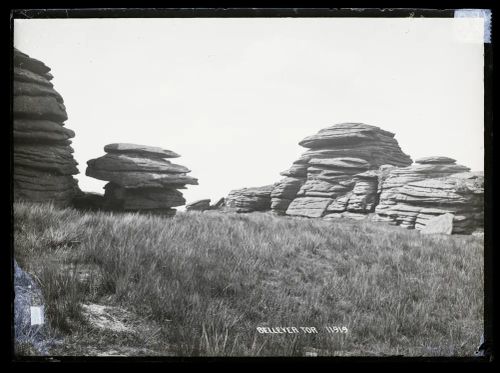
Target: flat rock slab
<point>142,179</point>
<point>39,107</point>
<point>442,224</point>
<point>125,148</point>
<point>435,159</point>
<point>344,162</point>
<point>134,163</point>
<point>35,89</point>
<point>40,130</point>
<point>23,75</point>
<point>310,207</point>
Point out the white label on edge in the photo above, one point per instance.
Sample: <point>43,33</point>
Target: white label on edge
<point>466,30</point>
<point>36,315</point>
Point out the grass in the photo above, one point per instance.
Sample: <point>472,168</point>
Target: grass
<point>205,282</point>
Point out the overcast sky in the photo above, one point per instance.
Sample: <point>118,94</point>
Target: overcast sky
<point>234,96</point>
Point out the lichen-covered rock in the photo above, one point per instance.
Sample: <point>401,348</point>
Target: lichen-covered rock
<point>42,155</point>
<point>249,199</point>
<point>140,178</point>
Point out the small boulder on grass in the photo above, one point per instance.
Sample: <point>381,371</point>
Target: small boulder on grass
<point>440,224</point>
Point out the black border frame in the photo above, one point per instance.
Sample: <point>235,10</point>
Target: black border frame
<point>447,12</point>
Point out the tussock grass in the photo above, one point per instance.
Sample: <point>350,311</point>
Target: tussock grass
<point>209,280</point>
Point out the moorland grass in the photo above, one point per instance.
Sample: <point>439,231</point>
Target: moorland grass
<point>209,280</point>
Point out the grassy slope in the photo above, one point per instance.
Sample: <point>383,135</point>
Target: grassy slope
<point>208,280</point>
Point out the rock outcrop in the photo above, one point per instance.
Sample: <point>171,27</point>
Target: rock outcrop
<point>249,199</point>
<point>42,155</point>
<point>412,196</point>
<point>339,172</point>
<point>140,178</point>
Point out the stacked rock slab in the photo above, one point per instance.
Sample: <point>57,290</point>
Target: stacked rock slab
<point>338,173</point>
<point>43,160</point>
<point>140,178</point>
<point>433,186</point>
<point>249,199</point>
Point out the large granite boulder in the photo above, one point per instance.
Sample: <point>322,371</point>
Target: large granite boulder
<point>249,199</point>
<point>140,178</point>
<point>338,173</point>
<point>413,196</point>
<point>42,155</point>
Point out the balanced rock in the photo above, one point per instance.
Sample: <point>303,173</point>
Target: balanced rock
<point>249,199</point>
<point>200,205</point>
<point>140,178</point>
<point>339,173</point>
<point>413,196</point>
<point>42,155</point>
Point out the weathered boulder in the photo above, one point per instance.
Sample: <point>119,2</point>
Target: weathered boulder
<point>249,199</point>
<point>339,173</point>
<point>439,224</point>
<point>42,155</point>
<point>140,178</point>
<point>200,205</point>
<point>412,196</point>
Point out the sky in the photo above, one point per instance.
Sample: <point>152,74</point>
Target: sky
<point>234,96</point>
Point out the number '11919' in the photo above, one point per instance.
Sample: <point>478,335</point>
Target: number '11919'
<point>336,329</point>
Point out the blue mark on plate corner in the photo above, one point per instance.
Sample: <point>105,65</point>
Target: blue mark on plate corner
<point>478,13</point>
